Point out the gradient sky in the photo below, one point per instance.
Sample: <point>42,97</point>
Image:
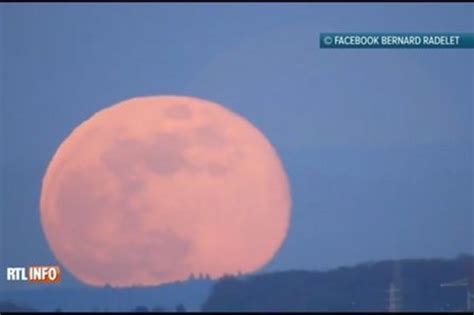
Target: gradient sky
<point>377,144</point>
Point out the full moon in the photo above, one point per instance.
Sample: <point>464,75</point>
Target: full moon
<point>154,189</point>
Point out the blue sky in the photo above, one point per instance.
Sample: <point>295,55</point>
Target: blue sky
<point>377,144</point>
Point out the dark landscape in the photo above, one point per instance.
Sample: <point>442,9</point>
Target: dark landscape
<point>364,287</point>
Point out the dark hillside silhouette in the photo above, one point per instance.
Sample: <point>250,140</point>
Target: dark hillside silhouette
<point>8,306</point>
<point>358,288</point>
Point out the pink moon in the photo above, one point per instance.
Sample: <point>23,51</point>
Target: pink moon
<point>153,189</point>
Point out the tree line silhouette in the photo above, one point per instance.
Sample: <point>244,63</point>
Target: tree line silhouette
<point>363,287</point>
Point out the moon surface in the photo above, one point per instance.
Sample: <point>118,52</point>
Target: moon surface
<point>153,189</point>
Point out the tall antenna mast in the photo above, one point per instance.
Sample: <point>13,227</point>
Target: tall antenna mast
<point>470,294</point>
<point>394,300</point>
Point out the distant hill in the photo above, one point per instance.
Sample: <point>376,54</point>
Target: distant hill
<point>360,288</point>
<point>363,287</point>
<point>7,306</point>
<point>190,294</point>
